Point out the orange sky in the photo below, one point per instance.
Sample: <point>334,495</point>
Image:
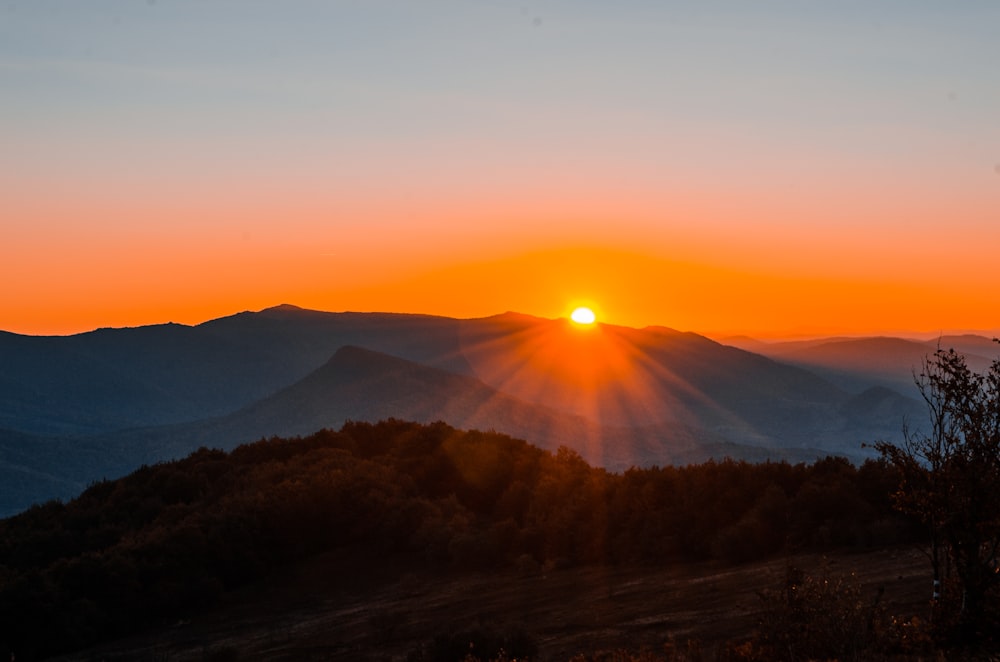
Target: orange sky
<point>719,170</point>
<point>111,287</point>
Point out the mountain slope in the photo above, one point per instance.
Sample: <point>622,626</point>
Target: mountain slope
<point>656,377</point>
<point>123,378</point>
<point>114,398</point>
<point>34,469</point>
<point>856,364</point>
<point>111,379</point>
<point>363,385</point>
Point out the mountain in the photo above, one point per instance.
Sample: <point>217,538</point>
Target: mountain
<point>663,378</point>
<point>36,468</point>
<point>362,385</point>
<point>856,364</point>
<point>117,378</point>
<point>111,399</point>
<point>110,379</point>
<point>150,554</point>
<point>980,350</point>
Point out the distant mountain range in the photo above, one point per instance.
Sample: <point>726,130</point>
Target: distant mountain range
<point>80,408</point>
<point>857,363</point>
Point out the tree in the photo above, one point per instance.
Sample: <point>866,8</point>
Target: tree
<point>950,480</point>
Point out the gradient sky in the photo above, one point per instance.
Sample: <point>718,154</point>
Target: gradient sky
<point>770,168</point>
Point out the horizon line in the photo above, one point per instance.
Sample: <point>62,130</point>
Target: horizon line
<point>766,337</point>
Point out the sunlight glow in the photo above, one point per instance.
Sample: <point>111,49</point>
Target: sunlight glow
<point>596,379</point>
<point>583,315</point>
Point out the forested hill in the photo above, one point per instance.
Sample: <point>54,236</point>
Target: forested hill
<point>171,538</point>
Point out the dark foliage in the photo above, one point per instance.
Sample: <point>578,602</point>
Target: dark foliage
<point>175,537</point>
<point>477,644</point>
<point>820,618</point>
<point>950,480</point>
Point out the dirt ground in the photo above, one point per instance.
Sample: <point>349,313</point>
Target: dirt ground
<point>326,611</point>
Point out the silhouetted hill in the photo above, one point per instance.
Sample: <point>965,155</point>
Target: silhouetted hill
<point>166,542</point>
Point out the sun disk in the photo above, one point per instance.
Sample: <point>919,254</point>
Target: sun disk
<point>583,315</point>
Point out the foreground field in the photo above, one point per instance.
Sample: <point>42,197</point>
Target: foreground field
<point>328,611</point>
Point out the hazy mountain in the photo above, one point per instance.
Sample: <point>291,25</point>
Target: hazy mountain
<point>111,379</point>
<point>660,377</point>
<point>747,343</point>
<point>363,385</point>
<point>114,378</point>
<point>113,398</point>
<point>359,384</point>
<point>35,468</point>
<point>857,364</point>
<point>878,405</point>
<point>980,350</point>
<point>117,378</point>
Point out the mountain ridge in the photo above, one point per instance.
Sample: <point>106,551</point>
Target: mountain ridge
<point>616,394</point>
<point>364,385</point>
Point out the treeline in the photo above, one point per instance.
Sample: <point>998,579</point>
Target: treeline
<point>176,536</point>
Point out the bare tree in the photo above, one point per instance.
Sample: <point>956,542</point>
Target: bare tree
<point>950,480</point>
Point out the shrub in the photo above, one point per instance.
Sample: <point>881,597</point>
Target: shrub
<point>821,618</point>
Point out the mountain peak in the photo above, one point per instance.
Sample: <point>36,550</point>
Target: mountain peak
<point>513,316</point>
<point>353,355</point>
<point>283,308</point>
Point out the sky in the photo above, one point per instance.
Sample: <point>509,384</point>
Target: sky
<point>764,168</point>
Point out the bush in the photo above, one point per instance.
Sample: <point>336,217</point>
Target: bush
<point>821,618</point>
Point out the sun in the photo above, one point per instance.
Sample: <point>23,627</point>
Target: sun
<point>583,315</point>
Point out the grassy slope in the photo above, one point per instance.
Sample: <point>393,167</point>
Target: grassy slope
<point>324,610</point>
